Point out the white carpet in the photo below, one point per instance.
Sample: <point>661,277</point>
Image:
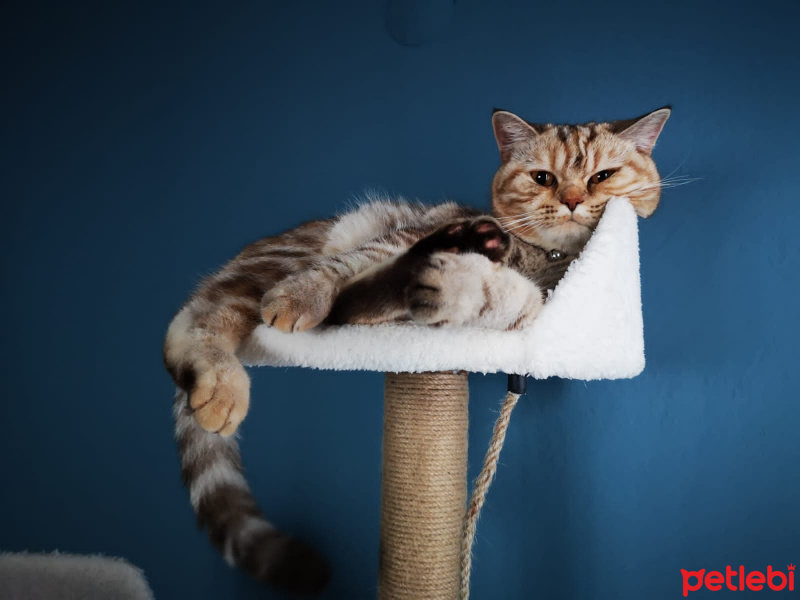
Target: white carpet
<point>591,328</point>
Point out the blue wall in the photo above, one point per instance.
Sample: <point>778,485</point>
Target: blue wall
<point>144,145</point>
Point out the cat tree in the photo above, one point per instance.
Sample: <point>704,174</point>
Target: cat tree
<point>590,328</point>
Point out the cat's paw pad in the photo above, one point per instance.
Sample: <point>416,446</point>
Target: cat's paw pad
<point>482,235</point>
<point>447,290</point>
<point>220,398</point>
<point>298,303</point>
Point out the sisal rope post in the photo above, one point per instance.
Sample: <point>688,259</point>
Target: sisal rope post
<point>424,485</point>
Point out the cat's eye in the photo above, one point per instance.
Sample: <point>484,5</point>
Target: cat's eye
<point>601,176</point>
<point>544,178</point>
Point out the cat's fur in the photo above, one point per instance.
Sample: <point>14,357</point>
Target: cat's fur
<point>442,265</point>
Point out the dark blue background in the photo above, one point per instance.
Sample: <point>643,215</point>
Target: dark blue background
<point>144,145</point>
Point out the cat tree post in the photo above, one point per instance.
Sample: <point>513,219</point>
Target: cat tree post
<point>424,486</point>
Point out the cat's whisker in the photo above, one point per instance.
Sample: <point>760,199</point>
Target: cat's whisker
<point>528,219</point>
<point>682,181</point>
<point>645,188</point>
<point>679,183</point>
<point>516,226</point>
<point>534,222</point>
<point>513,218</point>
<point>674,182</point>
<point>516,230</point>
<point>522,214</point>
<point>677,178</point>
<point>517,222</point>
<point>531,217</point>
<point>676,169</point>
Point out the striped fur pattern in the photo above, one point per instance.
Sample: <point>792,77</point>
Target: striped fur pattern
<point>443,265</point>
<point>555,180</point>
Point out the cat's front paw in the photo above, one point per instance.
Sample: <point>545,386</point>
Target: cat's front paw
<point>482,235</point>
<point>448,289</point>
<point>298,302</point>
<point>220,397</point>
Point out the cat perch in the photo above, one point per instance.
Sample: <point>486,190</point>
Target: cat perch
<point>590,328</point>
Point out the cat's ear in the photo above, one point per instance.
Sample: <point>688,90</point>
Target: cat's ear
<point>643,131</point>
<point>509,129</point>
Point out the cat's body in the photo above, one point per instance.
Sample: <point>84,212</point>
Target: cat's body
<point>442,265</point>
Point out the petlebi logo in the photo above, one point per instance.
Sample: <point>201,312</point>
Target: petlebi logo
<point>738,581</point>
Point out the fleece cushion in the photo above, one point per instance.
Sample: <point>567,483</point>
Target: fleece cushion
<point>59,576</point>
<point>590,327</point>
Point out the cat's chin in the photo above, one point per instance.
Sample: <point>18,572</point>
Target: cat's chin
<point>569,237</point>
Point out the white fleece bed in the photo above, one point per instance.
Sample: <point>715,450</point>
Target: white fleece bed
<point>590,328</point>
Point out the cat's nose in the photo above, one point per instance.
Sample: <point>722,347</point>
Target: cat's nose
<point>571,199</point>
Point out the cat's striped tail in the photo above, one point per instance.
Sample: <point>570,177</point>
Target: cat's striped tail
<point>212,471</point>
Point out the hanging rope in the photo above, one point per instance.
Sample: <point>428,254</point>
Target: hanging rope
<point>483,482</point>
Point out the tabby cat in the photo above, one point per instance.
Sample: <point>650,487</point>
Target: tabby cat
<point>442,265</point>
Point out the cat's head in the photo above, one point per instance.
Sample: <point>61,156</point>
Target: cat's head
<point>555,180</point>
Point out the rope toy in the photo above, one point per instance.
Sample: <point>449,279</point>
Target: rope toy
<point>516,387</point>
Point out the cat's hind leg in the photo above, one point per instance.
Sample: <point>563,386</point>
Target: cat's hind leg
<point>202,361</point>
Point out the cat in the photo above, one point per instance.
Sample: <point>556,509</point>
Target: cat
<point>443,265</point>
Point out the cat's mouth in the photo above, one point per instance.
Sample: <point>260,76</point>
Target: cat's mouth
<point>576,220</point>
